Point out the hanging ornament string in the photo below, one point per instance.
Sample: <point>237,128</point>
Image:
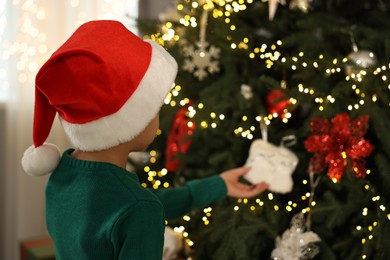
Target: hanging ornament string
<point>264,130</point>
<point>314,181</point>
<point>354,45</point>
<point>203,25</point>
<point>288,141</point>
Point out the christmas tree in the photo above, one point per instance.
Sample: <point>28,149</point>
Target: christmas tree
<point>308,82</point>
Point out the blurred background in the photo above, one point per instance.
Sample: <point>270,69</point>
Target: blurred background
<point>30,30</point>
<point>300,88</point>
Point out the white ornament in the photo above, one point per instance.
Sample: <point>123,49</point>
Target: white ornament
<point>272,6</point>
<point>296,243</point>
<point>359,59</point>
<point>362,58</point>
<point>271,164</point>
<point>201,60</point>
<point>173,243</point>
<point>303,5</point>
<point>246,91</point>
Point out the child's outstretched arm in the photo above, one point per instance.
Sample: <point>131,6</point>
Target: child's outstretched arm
<point>200,193</point>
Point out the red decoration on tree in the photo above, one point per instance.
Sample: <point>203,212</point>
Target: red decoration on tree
<point>277,102</point>
<point>339,144</point>
<point>179,139</point>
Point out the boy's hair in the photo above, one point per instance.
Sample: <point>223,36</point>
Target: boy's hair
<point>105,83</point>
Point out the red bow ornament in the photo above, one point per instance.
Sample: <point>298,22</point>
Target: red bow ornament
<point>339,145</point>
<point>179,139</point>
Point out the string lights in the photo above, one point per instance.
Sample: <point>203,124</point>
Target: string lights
<point>271,55</point>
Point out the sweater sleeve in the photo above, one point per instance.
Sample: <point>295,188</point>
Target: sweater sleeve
<point>197,193</point>
<point>139,234</point>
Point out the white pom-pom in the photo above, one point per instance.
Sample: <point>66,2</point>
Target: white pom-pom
<point>42,160</point>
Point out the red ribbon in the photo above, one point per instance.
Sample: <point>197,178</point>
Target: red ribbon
<point>179,139</point>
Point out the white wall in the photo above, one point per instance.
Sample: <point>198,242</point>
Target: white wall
<point>2,174</point>
<point>152,8</point>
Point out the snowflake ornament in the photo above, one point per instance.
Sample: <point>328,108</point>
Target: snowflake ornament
<point>202,60</point>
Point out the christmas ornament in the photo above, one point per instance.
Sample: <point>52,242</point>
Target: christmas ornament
<point>173,243</point>
<point>273,6</point>
<point>271,164</point>
<point>138,159</point>
<point>296,243</point>
<point>277,102</point>
<point>302,5</point>
<point>359,59</point>
<point>339,145</point>
<point>203,59</point>
<point>246,91</point>
<point>179,139</point>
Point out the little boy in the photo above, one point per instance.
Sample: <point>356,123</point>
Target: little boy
<point>107,86</point>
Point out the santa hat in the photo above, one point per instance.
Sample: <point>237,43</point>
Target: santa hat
<point>105,83</point>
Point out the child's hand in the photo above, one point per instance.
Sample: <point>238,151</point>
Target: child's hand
<point>238,189</point>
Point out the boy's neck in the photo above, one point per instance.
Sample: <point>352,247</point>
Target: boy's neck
<point>117,155</point>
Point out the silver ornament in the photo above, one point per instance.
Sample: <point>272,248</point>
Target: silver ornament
<point>359,60</point>
<point>363,58</point>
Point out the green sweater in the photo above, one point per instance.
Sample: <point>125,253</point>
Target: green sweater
<point>96,210</point>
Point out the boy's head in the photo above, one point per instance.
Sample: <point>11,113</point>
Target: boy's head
<point>106,85</point>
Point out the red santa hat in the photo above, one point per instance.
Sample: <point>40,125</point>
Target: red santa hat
<point>105,83</point>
